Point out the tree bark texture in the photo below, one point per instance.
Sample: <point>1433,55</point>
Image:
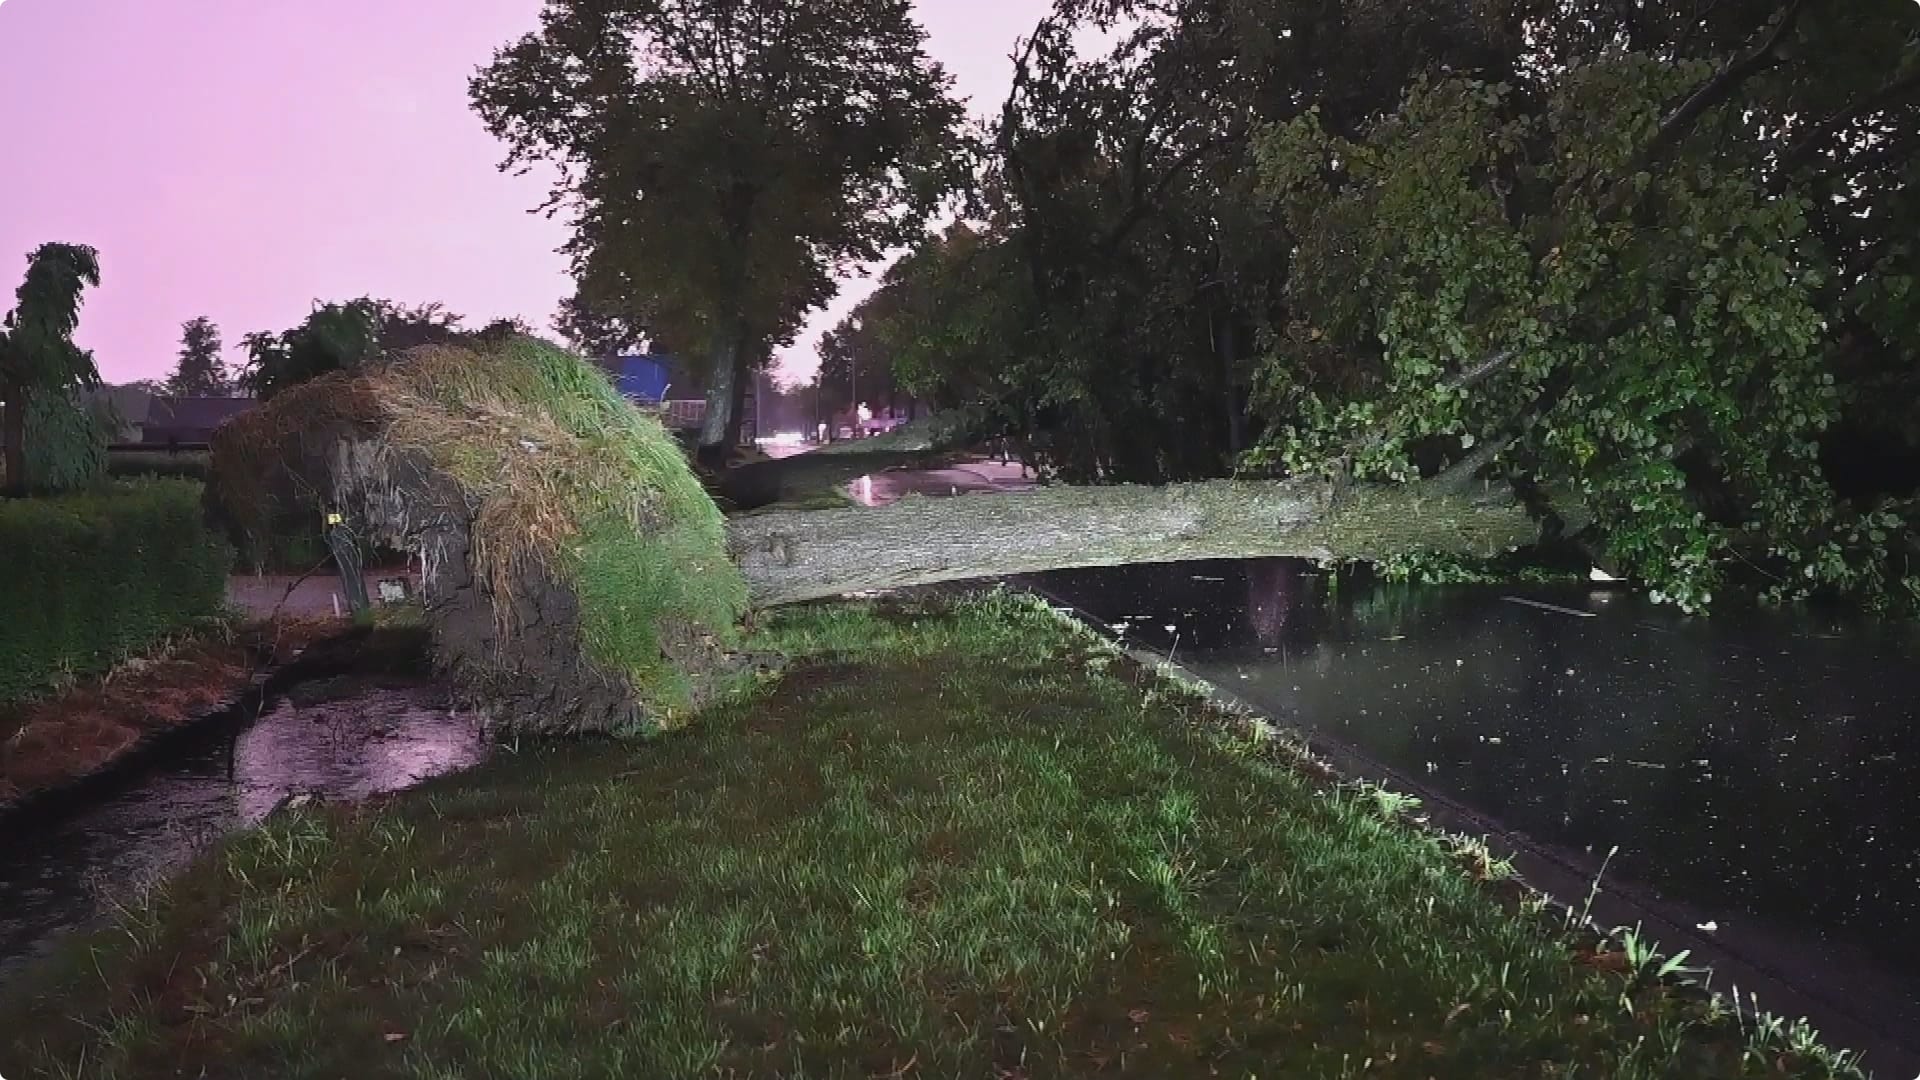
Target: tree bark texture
<point>718,423</point>
<point>792,556</point>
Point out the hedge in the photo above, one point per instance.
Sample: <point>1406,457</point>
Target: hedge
<point>191,464</point>
<point>91,578</point>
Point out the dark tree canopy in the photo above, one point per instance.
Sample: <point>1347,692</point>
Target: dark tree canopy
<point>1659,256</point>
<point>335,337</point>
<point>200,371</point>
<point>40,366</point>
<point>724,160</point>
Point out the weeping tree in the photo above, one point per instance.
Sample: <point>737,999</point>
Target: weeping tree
<point>41,369</point>
<point>724,160</point>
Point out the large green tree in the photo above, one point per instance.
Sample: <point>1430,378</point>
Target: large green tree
<point>724,160</point>
<point>40,366</point>
<point>1652,272</point>
<point>200,371</point>
<point>1659,255</point>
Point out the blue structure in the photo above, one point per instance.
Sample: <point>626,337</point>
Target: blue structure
<point>643,378</point>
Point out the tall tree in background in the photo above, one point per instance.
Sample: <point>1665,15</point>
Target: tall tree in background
<point>724,160</point>
<point>856,366</point>
<point>200,372</point>
<point>40,366</point>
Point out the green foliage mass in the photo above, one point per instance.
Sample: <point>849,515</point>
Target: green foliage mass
<point>334,337</point>
<point>67,441</point>
<point>345,337</point>
<point>95,577</point>
<point>1658,257</point>
<point>1645,342</point>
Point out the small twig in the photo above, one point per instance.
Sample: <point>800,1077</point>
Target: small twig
<point>288,595</point>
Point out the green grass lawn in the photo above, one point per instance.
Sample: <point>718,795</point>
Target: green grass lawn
<point>947,843</point>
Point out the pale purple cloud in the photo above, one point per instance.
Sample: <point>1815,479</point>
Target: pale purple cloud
<point>241,158</point>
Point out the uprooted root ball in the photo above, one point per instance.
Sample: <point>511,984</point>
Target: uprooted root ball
<point>575,572</point>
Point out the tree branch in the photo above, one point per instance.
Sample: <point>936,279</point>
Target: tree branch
<point>1717,89</point>
<point>1803,149</point>
<point>1137,211</point>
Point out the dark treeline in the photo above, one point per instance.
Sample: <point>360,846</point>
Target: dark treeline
<point>1659,257</point>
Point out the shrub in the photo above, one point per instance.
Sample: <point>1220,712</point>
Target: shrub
<point>95,577</point>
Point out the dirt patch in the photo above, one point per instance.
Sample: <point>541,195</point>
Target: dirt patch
<point>53,741</point>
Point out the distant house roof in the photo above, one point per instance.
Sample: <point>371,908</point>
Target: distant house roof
<point>128,406</point>
<point>173,419</point>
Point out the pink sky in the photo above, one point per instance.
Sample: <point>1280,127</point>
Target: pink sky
<point>241,158</point>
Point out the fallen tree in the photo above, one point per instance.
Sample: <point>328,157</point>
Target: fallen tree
<point>577,578</point>
<point>790,556</point>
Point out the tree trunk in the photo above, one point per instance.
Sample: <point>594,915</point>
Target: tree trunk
<point>737,419</point>
<point>1230,377</point>
<point>13,437</point>
<point>718,429</point>
<point>791,556</point>
<point>513,632</point>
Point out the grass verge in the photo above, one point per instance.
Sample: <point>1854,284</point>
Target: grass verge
<point>950,842</point>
